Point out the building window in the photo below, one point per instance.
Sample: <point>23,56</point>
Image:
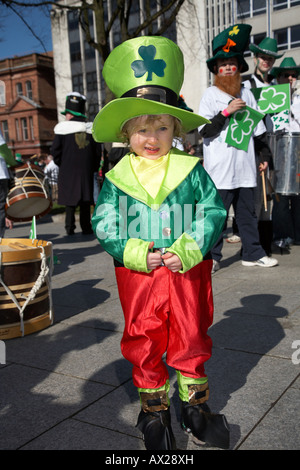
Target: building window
<point>5,131</point>
<point>75,51</point>
<point>281,36</point>
<point>2,94</point>
<point>249,8</point>
<point>295,36</point>
<point>78,83</point>
<point>93,110</point>
<point>283,4</point>
<point>24,129</point>
<point>18,134</point>
<point>28,89</point>
<point>19,89</point>
<point>255,39</point>
<point>73,19</point>
<point>89,51</point>
<point>91,81</point>
<point>288,38</point>
<point>31,128</point>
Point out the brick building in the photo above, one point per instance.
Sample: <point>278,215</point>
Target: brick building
<point>28,111</point>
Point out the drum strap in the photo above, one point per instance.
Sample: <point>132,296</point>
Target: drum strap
<point>28,171</point>
<point>43,277</point>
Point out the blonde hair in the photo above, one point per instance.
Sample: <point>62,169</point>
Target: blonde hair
<point>130,126</point>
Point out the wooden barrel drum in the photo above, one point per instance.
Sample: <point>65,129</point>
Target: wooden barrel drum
<point>25,286</point>
<point>29,195</point>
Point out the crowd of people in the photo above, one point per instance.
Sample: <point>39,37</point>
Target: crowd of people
<point>163,256</point>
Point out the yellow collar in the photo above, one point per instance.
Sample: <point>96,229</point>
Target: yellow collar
<point>123,176</point>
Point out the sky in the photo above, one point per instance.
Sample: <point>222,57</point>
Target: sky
<point>16,38</point>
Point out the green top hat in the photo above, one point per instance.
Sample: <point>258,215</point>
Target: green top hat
<point>287,64</point>
<point>267,46</point>
<point>75,104</point>
<point>145,74</point>
<point>232,42</point>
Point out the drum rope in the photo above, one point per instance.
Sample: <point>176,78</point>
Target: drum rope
<point>30,169</point>
<point>43,276</point>
<point>42,183</point>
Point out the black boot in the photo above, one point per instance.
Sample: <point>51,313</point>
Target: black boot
<point>154,421</point>
<point>208,427</point>
<point>156,429</point>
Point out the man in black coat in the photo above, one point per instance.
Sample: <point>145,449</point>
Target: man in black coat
<point>78,157</point>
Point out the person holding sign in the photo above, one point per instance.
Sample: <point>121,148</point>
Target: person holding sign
<point>236,131</point>
<point>286,207</point>
<point>265,54</point>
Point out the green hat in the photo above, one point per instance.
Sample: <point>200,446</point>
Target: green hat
<point>145,74</point>
<point>232,42</point>
<point>287,64</point>
<point>75,104</point>
<point>267,46</point>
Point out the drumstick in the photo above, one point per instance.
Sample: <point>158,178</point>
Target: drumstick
<point>264,190</point>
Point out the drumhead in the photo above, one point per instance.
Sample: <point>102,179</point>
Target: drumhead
<point>24,209</point>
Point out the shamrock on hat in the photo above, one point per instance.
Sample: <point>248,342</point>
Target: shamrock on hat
<point>231,42</point>
<point>145,74</point>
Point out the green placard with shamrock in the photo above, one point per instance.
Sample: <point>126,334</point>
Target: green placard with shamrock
<point>281,120</point>
<point>241,126</point>
<point>272,99</point>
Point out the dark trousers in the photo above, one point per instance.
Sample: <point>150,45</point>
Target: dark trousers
<point>242,200</point>
<point>286,217</point>
<point>84,218</point>
<point>3,195</point>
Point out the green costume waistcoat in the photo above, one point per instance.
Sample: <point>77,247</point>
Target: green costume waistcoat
<point>186,216</point>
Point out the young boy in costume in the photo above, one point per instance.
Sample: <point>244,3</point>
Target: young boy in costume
<point>232,169</point>
<point>158,215</point>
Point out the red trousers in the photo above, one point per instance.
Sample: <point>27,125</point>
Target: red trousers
<point>166,312</point>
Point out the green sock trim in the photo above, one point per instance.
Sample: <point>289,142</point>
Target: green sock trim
<point>165,387</point>
<point>183,383</point>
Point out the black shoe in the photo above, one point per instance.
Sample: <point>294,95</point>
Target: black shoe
<point>87,232</point>
<point>208,427</point>
<point>156,429</point>
<point>70,232</point>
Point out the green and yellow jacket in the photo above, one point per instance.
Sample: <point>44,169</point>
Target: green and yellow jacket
<point>186,216</point>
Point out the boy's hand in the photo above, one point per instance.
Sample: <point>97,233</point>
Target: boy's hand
<point>235,105</point>
<point>153,258</point>
<point>172,262</point>
<point>263,166</point>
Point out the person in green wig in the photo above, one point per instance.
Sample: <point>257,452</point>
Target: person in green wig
<point>158,215</point>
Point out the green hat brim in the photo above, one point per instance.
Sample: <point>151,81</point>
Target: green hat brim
<point>227,55</point>
<point>277,70</point>
<point>258,50</point>
<point>109,121</point>
<point>72,112</point>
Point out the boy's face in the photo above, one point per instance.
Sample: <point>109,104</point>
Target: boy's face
<point>289,76</point>
<point>227,67</point>
<point>151,139</point>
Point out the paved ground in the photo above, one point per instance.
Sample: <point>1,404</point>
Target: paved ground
<point>68,387</point>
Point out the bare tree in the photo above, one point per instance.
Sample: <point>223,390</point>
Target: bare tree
<point>120,15</point>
